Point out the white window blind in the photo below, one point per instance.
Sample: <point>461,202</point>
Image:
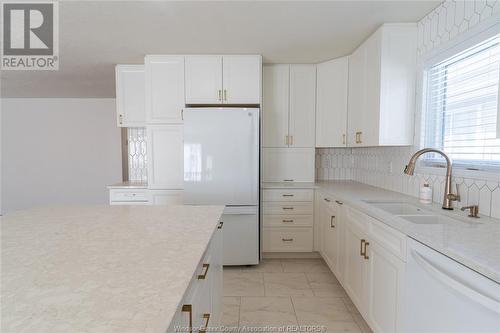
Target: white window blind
<point>462,106</point>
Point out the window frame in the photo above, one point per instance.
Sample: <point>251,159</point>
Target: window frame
<point>476,35</point>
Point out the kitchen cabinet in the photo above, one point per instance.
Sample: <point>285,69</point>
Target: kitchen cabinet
<point>165,157</point>
<point>241,79</point>
<point>289,106</point>
<point>382,88</point>
<point>288,164</point>
<point>216,79</point>
<point>330,220</point>
<point>164,89</point>
<point>385,286</point>
<point>130,95</point>
<point>204,79</point>
<point>287,220</point>
<point>165,197</point>
<point>331,103</point>
<point>201,306</point>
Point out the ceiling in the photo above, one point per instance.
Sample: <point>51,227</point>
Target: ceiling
<point>96,35</point>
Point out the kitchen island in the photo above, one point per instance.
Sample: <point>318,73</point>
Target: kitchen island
<point>106,268</point>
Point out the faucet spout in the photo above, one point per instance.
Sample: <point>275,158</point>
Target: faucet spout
<point>448,195</point>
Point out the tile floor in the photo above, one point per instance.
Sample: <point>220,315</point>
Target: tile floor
<point>288,292</point>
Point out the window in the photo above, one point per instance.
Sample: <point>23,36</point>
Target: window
<point>462,107</point>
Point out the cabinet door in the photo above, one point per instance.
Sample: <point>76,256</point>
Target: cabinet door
<point>204,79</point>
<point>288,165</point>
<point>385,288</point>
<point>331,238</point>
<point>241,79</point>
<point>275,105</point>
<point>130,95</point>
<point>355,271</point>
<point>302,105</point>
<point>164,89</point>
<point>165,156</point>
<point>357,95</point>
<point>165,197</point>
<point>331,103</point>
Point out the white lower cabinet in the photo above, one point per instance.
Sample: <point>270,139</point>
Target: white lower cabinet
<point>288,164</point>
<point>367,257</point>
<point>287,220</point>
<point>201,307</point>
<point>165,197</point>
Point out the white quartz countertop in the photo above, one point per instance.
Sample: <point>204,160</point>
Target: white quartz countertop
<point>100,268</point>
<point>472,242</point>
<point>128,185</point>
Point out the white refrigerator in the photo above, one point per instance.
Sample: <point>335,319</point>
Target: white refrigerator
<point>221,167</point>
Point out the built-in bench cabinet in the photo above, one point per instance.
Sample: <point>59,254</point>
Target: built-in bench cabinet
<point>201,306</point>
<point>367,257</point>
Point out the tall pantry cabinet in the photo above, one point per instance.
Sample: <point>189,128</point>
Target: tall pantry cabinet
<point>288,123</point>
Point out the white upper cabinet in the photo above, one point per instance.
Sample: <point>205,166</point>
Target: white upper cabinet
<point>215,79</point>
<point>204,79</point>
<point>288,165</point>
<point>382,88</point>
<point>275,105</point>
<point>130,95</point>
<point>289,106</point>
<point>165,156</point>
<point>331,103</point>
<point>302,106</point>
<point>241,79</point>
<point>164,89</point>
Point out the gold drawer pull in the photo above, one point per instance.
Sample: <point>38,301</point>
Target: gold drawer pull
<point>361,248</point>
<point>331,221</point>
<point>339,202</point>
<point>288,195</point>
<point>206,316</point>
<point>288,180</point>
<point>189,308</point>
<point>287,239</point>
<point>221,223</point>
<point>204,275</point>
<point>326,199</point>
<point>366,255</point>
<point>287,221</point>
<point>287,208</point>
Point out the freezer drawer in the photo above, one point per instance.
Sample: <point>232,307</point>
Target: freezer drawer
<point>241,236</point>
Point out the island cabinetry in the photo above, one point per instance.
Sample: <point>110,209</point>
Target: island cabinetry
<point>201,307</point>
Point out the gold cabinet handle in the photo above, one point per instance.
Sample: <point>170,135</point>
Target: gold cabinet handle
<point>287,221</point>
<point>120,119</point>
<point>220,225</point>
<point>360,134</point>
<point>361,248</point>
<point>331,221</point>
<point>287,195</point>
<point>327,200</point>
<point>343,139</point>
<point>287,239</point>
<point>366,255</point>
<point>204,275</point>
<point>189,309</point>
<point>288,180</point>
<point>219,95</point>
<point>287,208</point>
<point>358,137</point>
<point>286,140</point>
<point>206,316</point>
<point>339,202</point>
<point>182,114</point>
<point>225,95</point>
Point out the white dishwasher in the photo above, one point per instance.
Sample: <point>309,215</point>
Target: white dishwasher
<point>442,295</point>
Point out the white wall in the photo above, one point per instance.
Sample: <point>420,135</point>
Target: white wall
<point>58,151</point>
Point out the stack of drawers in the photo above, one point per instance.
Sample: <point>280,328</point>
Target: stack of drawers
<point>288,220</point>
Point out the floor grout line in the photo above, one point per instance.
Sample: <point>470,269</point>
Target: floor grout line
<point>294,311</point>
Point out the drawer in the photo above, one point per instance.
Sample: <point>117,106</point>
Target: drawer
<point>284,208</point>
<point>388,237</point>
<point>129,203</point>
<point>288,195</point>
<point>288,240</point>
<point>127,195</point>
<point>287,220</point>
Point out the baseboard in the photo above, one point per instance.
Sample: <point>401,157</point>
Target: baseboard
<point>290,255</point>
